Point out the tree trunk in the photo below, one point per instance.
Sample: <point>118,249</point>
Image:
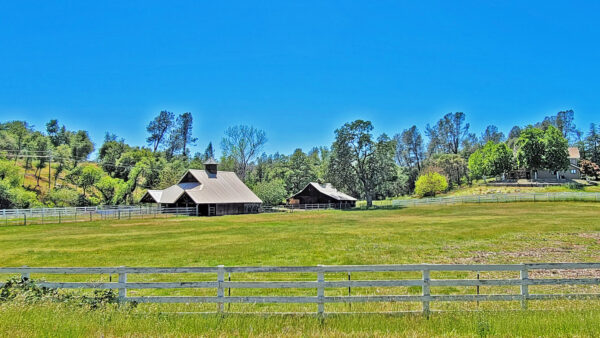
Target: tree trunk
<point>369,200</point>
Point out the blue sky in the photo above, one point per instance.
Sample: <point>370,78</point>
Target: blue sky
<point>297,69</point>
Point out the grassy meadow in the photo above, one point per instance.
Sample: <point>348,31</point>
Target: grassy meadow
<point>477,233</point>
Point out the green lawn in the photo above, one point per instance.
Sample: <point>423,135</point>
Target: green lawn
<point>486,233</point>
<point>478,233</point>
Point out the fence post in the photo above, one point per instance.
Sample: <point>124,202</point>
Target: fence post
<point>524,287</point>
<point>122,288</point>
<point>229,291</point>
<point>24,219</point>
<point>59,217</point>
<point>220,291</point>
<point>320,292</point>
<point>90,216</point>
<point>426,292</point>
<point>25,275</point>
<point>349,290</point>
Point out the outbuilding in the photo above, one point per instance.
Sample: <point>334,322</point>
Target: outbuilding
<point>209,191</point>
<point>317,193</point>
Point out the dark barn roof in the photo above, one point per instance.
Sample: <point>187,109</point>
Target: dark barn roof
<point>328,190</point>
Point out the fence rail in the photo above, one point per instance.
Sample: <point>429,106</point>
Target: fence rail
<point>79,214</point>
<point>311,206</point>
<point>500,198</point>
<point>320,284</point>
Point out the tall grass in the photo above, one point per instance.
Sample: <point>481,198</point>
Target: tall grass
<point>59,320</point>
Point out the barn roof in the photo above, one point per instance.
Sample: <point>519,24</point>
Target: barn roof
<point>574,152</point>
<point>221,188</point>
<point>329,190</point>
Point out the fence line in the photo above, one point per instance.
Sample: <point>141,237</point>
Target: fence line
<point>500,198</point>
<point>321,284</point>
<point>311,206</point>
<point>80,214</point>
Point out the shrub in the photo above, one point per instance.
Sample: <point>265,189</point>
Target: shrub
<point>29,291</point>
<point>63,197</point>
<point>16,197</point>
<point>430,184</point>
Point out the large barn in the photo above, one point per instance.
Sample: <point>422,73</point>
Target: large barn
<point>210,191</point>
<point>316,193</point>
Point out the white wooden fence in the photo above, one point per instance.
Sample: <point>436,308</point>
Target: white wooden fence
<point>498,198</point>
<point>292,207</point>
<point>320,285</point>
<point>80,214</point>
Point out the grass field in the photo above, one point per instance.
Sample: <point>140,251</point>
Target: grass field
<point>479,233</point>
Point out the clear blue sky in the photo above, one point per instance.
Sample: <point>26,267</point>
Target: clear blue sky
<point>297,69</point>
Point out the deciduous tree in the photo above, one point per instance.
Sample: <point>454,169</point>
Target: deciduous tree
<point>243,144</point>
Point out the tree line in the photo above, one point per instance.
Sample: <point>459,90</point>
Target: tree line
<point>51,166</point>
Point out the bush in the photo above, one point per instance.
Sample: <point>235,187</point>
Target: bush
<point>63,197</point>
<point>16,197</point>
<point>29,291</point>
<point>430,184</point>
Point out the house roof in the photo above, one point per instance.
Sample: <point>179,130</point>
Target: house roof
<point>155,194</point>
<point>574,152</point>
<point>329,190</point>
<point>221,188</point>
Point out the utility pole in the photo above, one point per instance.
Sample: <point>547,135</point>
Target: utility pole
<point>49,169</point>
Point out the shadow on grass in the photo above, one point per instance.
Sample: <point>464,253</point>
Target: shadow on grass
<point>374,208</point>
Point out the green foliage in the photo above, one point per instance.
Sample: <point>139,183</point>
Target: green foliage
<point>430,184</point>
<point>16,197</point>
<point>271,192</point>
<point>181,136</point>
<point>10,173</point>
<point>409,148</point>
<point>301,171</point>
<point>109,155</point>
<point>112,190</point>
<point>26,290</point>
<point>85,176</point>
<point>159,128</point>
<point>531,148</point>
<point>490,160</point>
<point>63,197</point>
<point>360,165</point>
<point>29,291</point>
<point>81,146</point>
<point>62,159</point>
<point>448,134</point>
<point>453,166</point>
<point>556,150</point>
<point>171,173</point>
